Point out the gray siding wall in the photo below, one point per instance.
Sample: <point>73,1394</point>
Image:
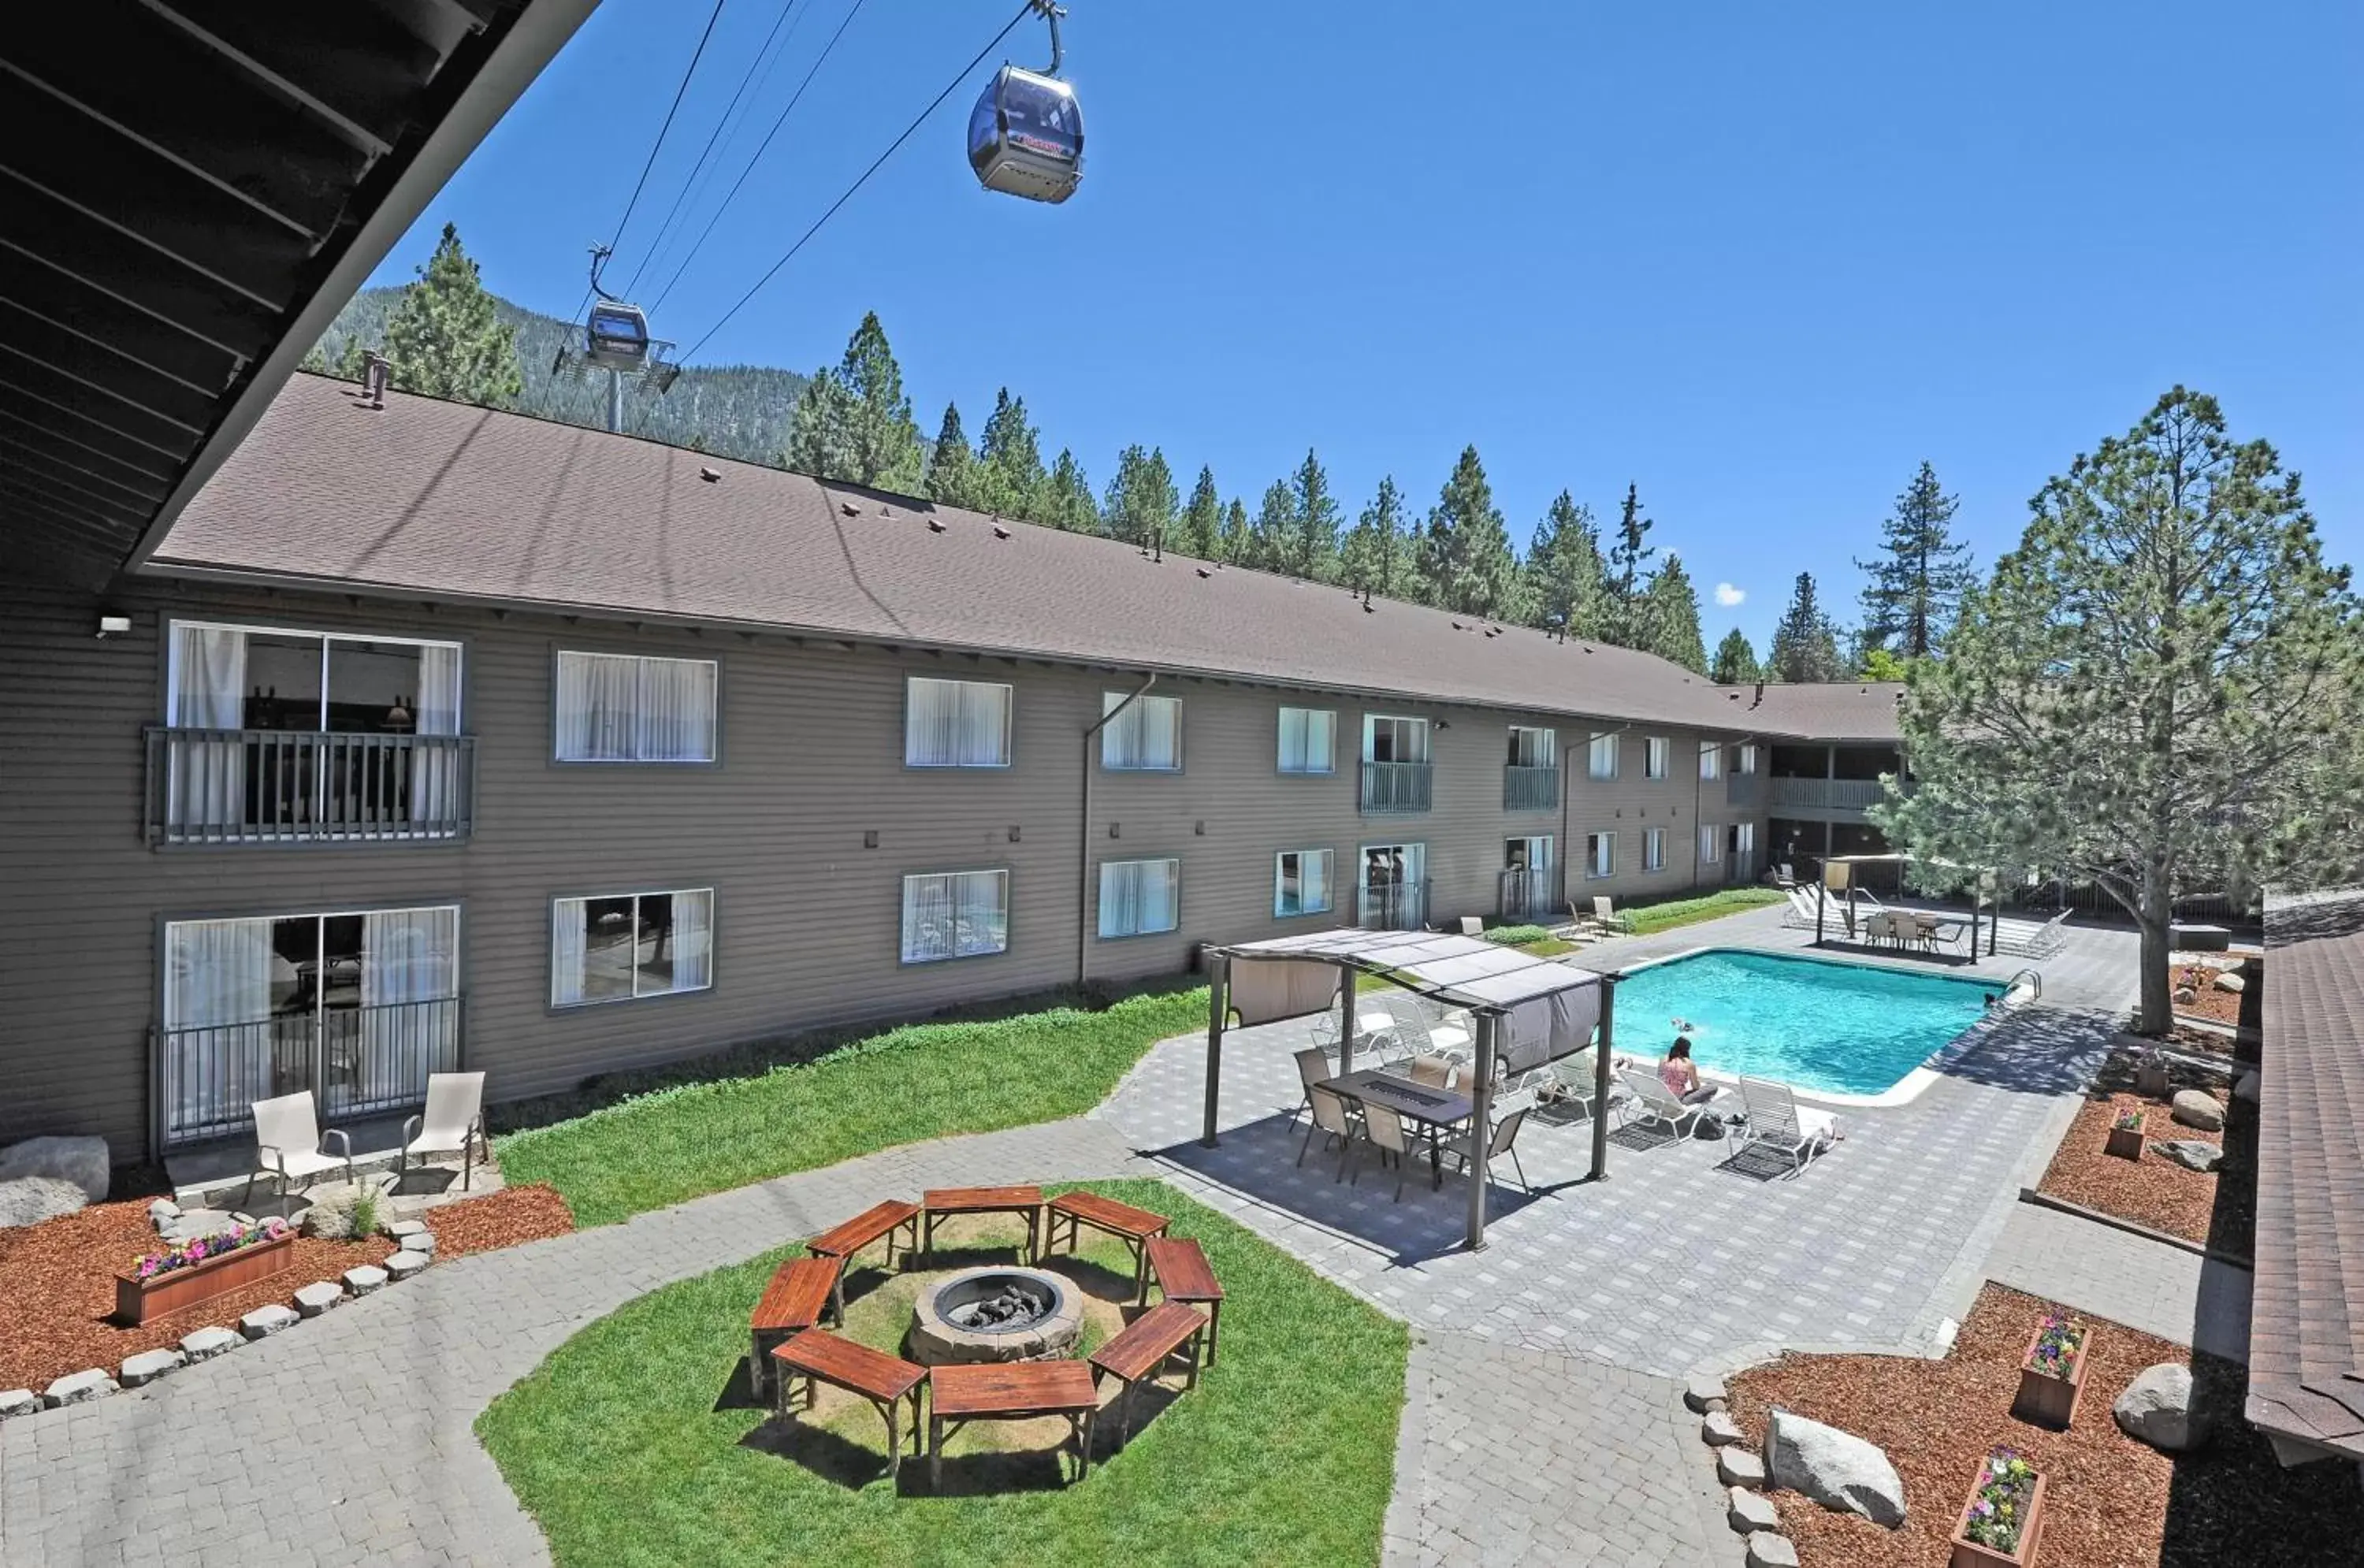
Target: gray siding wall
<point>806,916</point>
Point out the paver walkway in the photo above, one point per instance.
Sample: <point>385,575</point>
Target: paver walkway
<point>2128,1279</point>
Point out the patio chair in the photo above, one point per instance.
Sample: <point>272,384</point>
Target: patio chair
<point>1383,1131</point>
<point>1802,909</point>
<point>1503,1142</point>
<point>453,1123</point>
<point>1604,920</point>
<point>1312,1067</point>
<point>1779,1122</point>
<point>1653,1101</point>
<point>287,1142</point>
<point>1570,1081</point>
<point>1433,1070</point>
<point>1331,1119</point>
<point>1880,927</point>
<point>1388,1031</point>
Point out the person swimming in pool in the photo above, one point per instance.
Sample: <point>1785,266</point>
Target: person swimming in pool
<point>1680,1074</point>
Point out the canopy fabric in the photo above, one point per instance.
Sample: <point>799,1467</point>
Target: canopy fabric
<point>1464,972</point>
<point>1291,988</point>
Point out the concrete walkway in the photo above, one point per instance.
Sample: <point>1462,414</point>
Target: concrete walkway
<point>2126,1278</point>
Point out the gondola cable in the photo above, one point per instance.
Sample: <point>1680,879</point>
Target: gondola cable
<point>936,103</point>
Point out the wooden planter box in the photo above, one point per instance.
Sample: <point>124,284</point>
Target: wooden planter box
<point>138,1300</point>
<point>2125,1142</point>
<point>1969,1553</point>
<point>2047,1401</point>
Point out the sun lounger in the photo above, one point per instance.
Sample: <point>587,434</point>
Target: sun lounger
<point>1655,1101</point>
<point>1776,1121</point>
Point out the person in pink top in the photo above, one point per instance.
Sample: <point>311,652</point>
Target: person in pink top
<point>1681,1076</point>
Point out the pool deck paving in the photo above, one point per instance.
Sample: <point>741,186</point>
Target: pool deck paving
<point>1543,1420</point>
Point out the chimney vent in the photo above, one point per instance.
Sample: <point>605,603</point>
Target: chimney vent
<point>1000,532</point>
<point>849,508</point>
<point>376,372</point>
<point>709,474</point>
<point>934,527</point>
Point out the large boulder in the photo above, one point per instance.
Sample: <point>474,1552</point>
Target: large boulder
<point>2246,1088</point>
<point>28,1200</point>
<point>2198,1108</point>
<point>1836,1469</point>
<point>2155,1409</point>
<point>82,1160</point>
<point>2191,1153</point>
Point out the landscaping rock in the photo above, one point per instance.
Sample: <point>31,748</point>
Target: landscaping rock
<point>2198,1108</point>
<point>78,1388</point>
<point>2226,980</point>
<point>162,1209</point>
<point>1704,1392</point>
<point>1738,1467</point>
<point>19,1402</point>
<point>330,1217</point>
<point>1747,1511</point>
<point>208,1343</point>
<point>315,1299</point>
<point>1720,1428</point>
<point>188,1224</point>
<point>1836,1469</point>
<point>2245,1089</point>
<point>264,1321</point>
<point>1766,1550</point>
<point>363,1280</point>
<point>2185,995</point>
<point>82,1160</point>
<point>403,1265</point>
<point>149,1365</point>
<point>2155,1409</point>
<point>407,1231</point>
<point>424,1243</point>
<point>28,1200</point>
<point>2191,1154</point>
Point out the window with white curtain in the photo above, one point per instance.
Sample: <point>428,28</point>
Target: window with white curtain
<point>1534,748</point>
<point>1146,737</point>
<point>956,914</point>
<point>1140,897</point>
<point>1711,842</point>
<point>1300,882</point>
<point>1748,759</point>
<point>622,945</point>
<point>221,677</point>
<point>1711,761</point>
<point>622,707</point>
<point>1600,757</point>
<point>1309,740</point>
<point>956,724</point>
<point>1653,849</point>
<point>1743,838</point>
<point>1655,758</point>
<point>1600,855</point>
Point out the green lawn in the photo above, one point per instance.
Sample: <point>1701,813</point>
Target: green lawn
<point>1285,1453</point>
<point>917,1082</point>
<point>1649,918</point>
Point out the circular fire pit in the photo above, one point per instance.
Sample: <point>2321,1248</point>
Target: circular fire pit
<point>997,1314</point>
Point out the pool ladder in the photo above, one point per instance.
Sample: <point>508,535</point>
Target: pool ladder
<point>2035,978</point>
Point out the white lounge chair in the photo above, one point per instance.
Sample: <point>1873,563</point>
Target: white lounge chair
<point>287,1142</point>
<point>1569,1082</point>
<point>1655,1101</point>
<point>453,1124</point>
<point>1801,910</point>
<point>1778,1121</point>
<point>2029,939</point>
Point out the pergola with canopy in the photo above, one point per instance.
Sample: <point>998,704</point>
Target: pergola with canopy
<point>1528,1011</point>
<point>1984,896</point>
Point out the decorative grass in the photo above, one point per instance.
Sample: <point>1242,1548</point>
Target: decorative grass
<point>629,1449</point>
<point>1645,919</point>
<point>918,1081</point>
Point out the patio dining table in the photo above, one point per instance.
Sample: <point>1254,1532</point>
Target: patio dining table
<point>1433,1109</point>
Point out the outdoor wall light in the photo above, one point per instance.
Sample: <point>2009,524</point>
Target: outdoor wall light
<point>114,626</point>
<point>1013,833</point>
<point>870,838</point>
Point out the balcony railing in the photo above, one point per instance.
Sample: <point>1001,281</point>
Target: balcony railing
<point>1398,786</point>
<point>356,1061</point>
<point>293,786</point>
<point>1530,789</point>
<point>1392,907</point>
<point>1527,896</point>
<point>1825,794</point>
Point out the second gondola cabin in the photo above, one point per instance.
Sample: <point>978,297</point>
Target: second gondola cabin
<point>617,337</point>
<point>1026,136</point>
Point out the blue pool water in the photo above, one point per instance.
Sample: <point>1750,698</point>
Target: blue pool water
<point>1845,1027</point>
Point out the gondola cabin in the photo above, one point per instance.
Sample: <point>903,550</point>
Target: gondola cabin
<point>1026,136</point>
<point>617,337</point>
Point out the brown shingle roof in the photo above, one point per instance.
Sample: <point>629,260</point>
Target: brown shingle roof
<point>447,500</point>
<point>2307,1322</point>
<point>1841,711</point>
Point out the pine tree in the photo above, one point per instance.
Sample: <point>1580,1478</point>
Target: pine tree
<point>1313,523</point>
<point>855,422</point>
<point>952,470</point>
<point>1629,557</point>
<point>1238,543</point>
<point>1376,557</point>
<point>1918,579</point>
<point>1268,540</point>
<point>1671,617</point>
<point>1067,497</point>
<point>1142,498</point>
<point>445,339</point>
<point>1010,480</point>
<point>1564,572</point>
<point>1202,520</point>
<point>1735,661</point>
<point>1805,645</point>
<point>1466,553</point>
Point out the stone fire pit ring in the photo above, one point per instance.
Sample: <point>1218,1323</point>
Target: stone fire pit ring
<point>937,1341</point>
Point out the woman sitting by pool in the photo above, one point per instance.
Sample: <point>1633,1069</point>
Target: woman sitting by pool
<point>1680,1075</point>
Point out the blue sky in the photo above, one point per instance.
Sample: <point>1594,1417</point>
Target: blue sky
<point>1761,261</point>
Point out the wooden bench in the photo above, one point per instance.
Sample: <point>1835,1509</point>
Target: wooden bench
<point>1179,1266</point>
<point>819,1356</point>
<point>1129,1225</point>
<point>801,1290</point>
<point>1010,1390</point>
<point>1138,1354</point>
<point>942,1203</point>
<point>879,1219</point>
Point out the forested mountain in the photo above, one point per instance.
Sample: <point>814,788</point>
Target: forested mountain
<point>734,411</point>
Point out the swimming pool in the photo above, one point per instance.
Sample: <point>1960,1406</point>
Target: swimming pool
<point>1843,1028</point>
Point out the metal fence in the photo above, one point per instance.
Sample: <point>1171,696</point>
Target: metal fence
<point>356,1061</point>
<point>267,786</point>
<point>1397,787</point>
<point>1530,789</point>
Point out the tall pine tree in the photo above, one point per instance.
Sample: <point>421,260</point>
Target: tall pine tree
<point>1142,498</point>
<point>1010,479</point>
<point>1202,520</point>
<point>1238,542</point>
<point>1465,554</point>
<point>1313,523</point>
<point>1918,578</point>
<point>444,339</point>
<point>1067,497</point>
<point>1805,645</point>
<point>1276,522</point>
<point>1734,663</point>
<point>1563,572</point>
<point>952,470</point>
<point>1629,559</point>
<point>1376,557</point>
<point>855,422</point>
<point>1671,617</point>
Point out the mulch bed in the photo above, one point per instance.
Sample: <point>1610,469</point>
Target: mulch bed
<point>504,1219</point>
<point>2153,1191</point>
<point>2110,1501</point>
<point>57,1289</point>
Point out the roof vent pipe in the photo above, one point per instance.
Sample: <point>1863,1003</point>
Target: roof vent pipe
<point>376,372</point>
